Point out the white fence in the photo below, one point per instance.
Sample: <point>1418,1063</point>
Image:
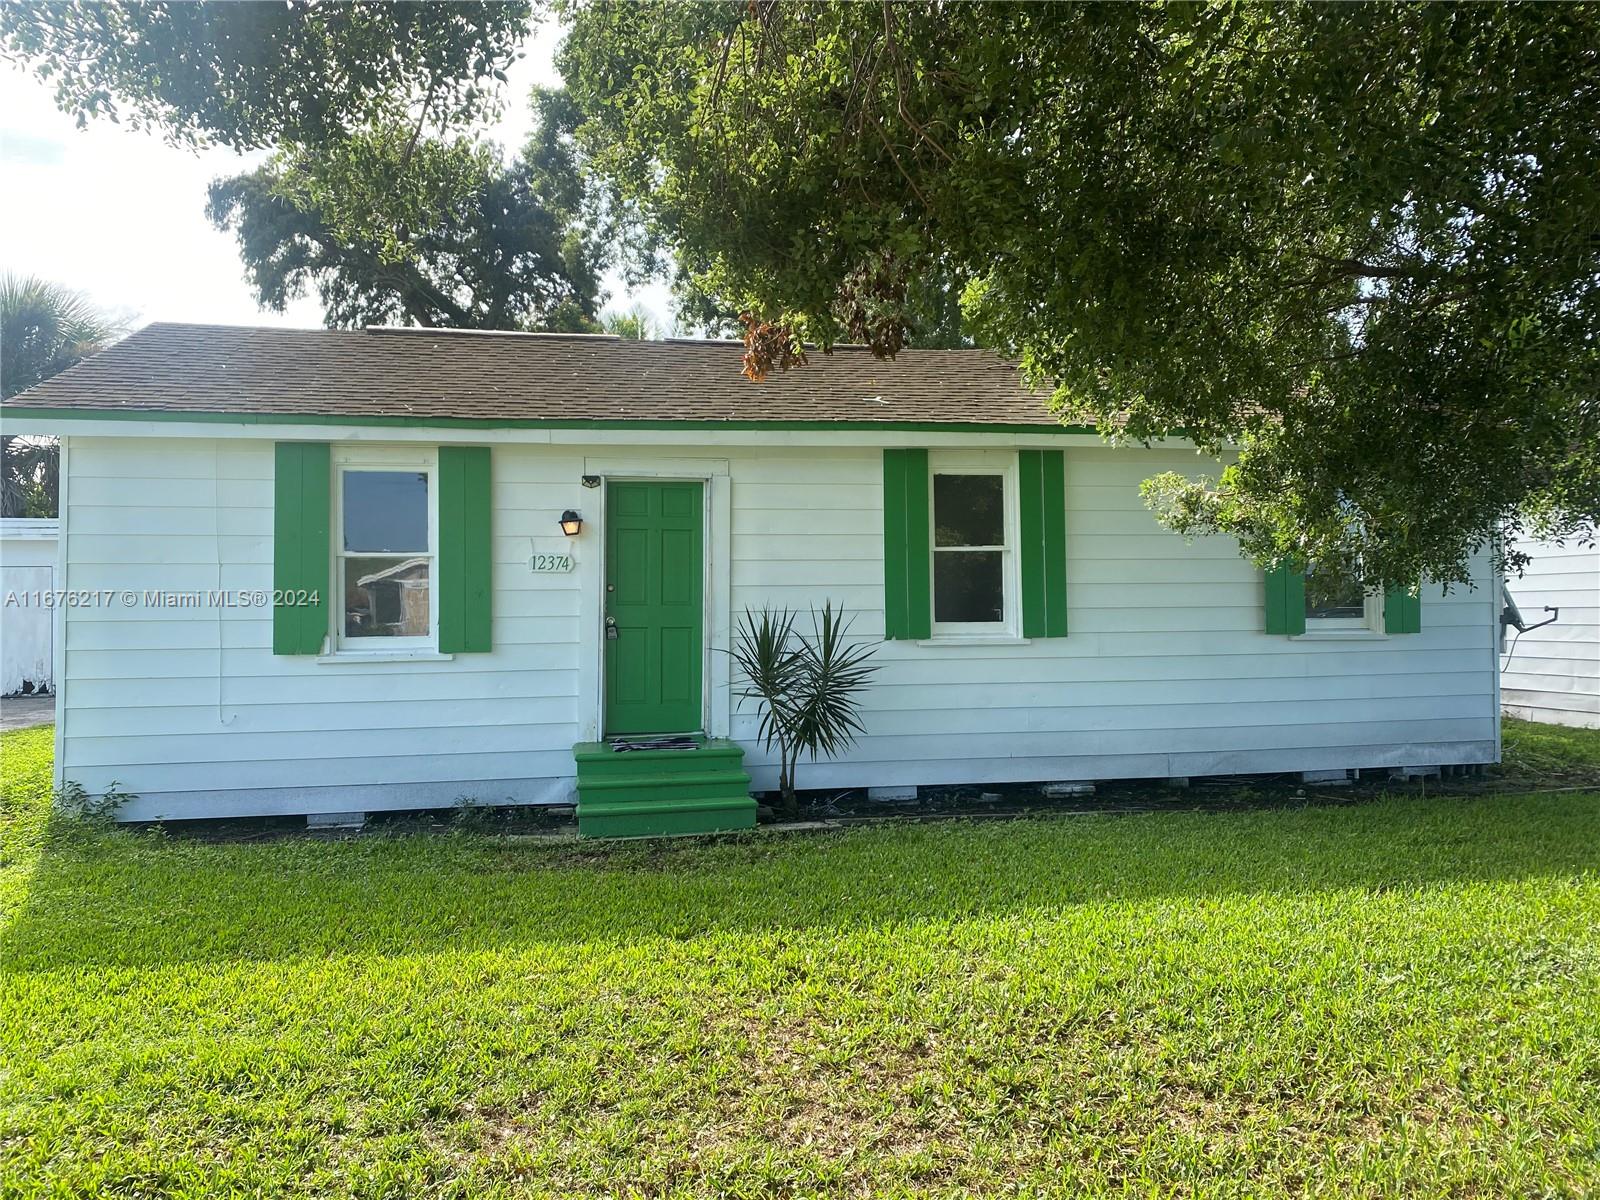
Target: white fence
<point>27,630</point>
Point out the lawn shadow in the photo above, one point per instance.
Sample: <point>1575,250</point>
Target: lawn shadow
<point>135,900</point>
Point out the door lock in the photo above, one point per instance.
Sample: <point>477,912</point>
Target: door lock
<point>611,629</point>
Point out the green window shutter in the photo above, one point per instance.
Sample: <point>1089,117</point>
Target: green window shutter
<point>907,546</point>
<point>300,545</point>
<point>1286,601</point>
<point>466,579</point>
<point>1042,480</point>
<point>1402,610</point>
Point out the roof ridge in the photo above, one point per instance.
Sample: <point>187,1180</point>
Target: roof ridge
<point>437,331</point>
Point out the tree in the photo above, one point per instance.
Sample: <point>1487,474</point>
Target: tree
<point>634,325</point>
<point>258,75</point>
<point>388,228</point>
<point>931,312</point>
<point>346,91</point>
<point>44,329</point>
<point>1350,248</point>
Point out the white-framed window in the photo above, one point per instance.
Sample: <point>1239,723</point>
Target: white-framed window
<point>385,543</point>
<point>1337,602</point>
<point>973,497</point>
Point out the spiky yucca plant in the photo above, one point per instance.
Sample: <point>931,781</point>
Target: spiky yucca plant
<point>809,689</point>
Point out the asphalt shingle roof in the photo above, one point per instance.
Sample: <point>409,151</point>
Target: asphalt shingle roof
<point>422,374</point>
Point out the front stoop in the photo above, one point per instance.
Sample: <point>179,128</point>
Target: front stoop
<point>651,793</point>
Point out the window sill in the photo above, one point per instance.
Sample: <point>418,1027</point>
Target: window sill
<point>384,656</point>
<point>975,639</point>
<point>1340,635</point>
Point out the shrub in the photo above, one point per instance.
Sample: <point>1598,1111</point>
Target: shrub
<point>809,690</point>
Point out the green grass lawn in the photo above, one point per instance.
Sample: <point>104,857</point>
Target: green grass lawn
<point>1392,998</point>
<point>1551,754</point>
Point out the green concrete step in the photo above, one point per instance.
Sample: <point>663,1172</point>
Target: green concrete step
<point>597,760</point>
<point>719,814</point>
<point>644,793</point>
<point>663,788</point>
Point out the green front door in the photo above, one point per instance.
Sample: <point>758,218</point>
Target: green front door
<point>654,607</point>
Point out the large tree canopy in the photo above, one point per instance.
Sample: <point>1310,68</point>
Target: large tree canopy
<point>1352,248</point>
<point>374,198</point>
<point>254,74</point>
<point>390,228</point>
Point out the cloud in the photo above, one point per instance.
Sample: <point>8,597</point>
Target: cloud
<point>120,215</point>
<point>18,148</point>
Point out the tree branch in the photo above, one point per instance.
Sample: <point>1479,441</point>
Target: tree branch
<point>1355,268</point>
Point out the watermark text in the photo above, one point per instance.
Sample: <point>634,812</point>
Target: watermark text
<point>159,598</point>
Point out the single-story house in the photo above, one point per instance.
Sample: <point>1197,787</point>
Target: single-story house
<point>1551,672</point>
<point>326,572</point>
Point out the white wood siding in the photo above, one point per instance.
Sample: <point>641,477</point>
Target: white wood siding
<point>1166,671</point>
<point>1554,673</point>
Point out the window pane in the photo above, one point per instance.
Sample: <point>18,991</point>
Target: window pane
<point>967,586</point>
<point>969,510</point>
<point>386,597</point>
<point>385,511</point>
<point>1333,593</point>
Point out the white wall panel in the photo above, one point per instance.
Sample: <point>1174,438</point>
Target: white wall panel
<point>1165,672</point>
<point>1553,674</point>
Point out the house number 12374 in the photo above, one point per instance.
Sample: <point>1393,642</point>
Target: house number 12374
<point>550,564</point>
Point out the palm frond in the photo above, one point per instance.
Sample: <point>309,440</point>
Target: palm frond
<point>768,664</point>
<point>44,329</point>
<point>809,689</point>
<point>835,676</point>
<point>30,475</point>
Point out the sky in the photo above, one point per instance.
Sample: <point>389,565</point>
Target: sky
<point>120,215</point>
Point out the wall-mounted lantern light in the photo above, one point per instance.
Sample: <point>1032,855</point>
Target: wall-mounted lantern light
<point>571,523</point>
<point>591,481</point>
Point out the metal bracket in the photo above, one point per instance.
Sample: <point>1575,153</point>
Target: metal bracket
<point>1509,615</point>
